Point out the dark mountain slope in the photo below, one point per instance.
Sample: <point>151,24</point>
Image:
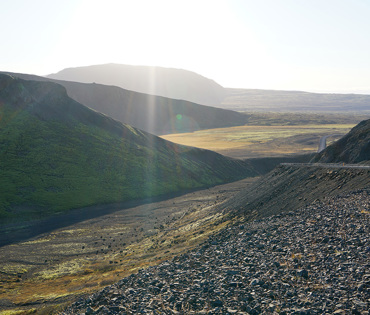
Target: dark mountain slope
<point>288,188</point>
<point>168,82</point>
<point>352,148</point>
<point>154,114</point>
<point>56,154</point>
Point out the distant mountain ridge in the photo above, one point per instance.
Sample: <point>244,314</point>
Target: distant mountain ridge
<point>56,155</point>
<point>293,101</point>
<point>167,82</point>
<point>154,114</point>
<point>187,85</point>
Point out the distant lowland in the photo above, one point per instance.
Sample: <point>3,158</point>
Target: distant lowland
<point>186,85</point>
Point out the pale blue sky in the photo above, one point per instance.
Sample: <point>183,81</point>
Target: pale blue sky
<point>309,45</point>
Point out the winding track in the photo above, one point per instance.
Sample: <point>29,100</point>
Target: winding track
<point>322,143</point>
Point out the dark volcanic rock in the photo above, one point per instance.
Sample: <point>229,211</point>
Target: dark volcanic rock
<point>311,261</point>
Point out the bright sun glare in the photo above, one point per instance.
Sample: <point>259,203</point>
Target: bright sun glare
<point>172,34</point>
<point>307,45</point>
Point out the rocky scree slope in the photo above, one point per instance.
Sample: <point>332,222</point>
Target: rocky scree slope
<point>154,114</point>
<point>290,187</point>
<point>354,147</point>
<point>314,260</point>
<point>57,154</point>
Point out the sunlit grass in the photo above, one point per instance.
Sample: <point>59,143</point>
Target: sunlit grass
<point>86,257</point>
<point>19,312</point>
<point>254,141</point>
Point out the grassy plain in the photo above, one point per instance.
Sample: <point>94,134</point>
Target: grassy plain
<point>269,134</point>
<point>261,140</point>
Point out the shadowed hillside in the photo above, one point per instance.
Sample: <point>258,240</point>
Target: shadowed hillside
<point>168,82</point>
<point>154,114</point>
<point>57,154</point>
<point>288,188</point>
<point>354,147</point>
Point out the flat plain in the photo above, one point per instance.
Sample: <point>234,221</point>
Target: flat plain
<point>262,141</point>
<point>272,134</point>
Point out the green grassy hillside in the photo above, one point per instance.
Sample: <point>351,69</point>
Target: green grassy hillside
<point>56,154</point>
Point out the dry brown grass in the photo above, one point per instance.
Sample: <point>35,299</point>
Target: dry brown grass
<point>53,269</point>
<point>261,141</point>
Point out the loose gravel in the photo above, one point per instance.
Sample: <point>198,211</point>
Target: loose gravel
<point>314,260</point>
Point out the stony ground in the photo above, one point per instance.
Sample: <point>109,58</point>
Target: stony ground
<point>311,261</point>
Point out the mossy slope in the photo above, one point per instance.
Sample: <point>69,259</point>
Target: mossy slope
<point>56,154</point>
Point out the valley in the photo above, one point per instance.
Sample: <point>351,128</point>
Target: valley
<point>49,271</point>
<point>88,201</point>
<point>58,155</point>
<point>256,141</point>
<point>185,157</point>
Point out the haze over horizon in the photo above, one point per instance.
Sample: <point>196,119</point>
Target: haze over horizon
<point>314,46</point>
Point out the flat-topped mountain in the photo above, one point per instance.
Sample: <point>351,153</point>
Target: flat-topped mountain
<point>168,82</point>
<point>154,114</point>
<point>354,147</point>
<point>187,85</point>
<point>56,154</point>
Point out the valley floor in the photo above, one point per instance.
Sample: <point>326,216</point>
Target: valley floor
<point>258,141</point>
<point>43,273</point>
<point>314,260</point>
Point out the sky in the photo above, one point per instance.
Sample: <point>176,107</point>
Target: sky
<point>307,45</point>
